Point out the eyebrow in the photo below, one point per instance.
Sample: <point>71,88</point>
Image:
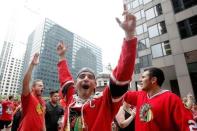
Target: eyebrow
<point>86,73</point>
<point>90,74</point>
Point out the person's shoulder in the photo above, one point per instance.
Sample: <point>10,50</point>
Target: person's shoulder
<point>47,103</point>
<point>60,107</point>
<point>130,92</point>
<point>3,102</point>
<point>6,102</point>
<point>43,101</point>
<point>26,96</point>
<point>172,96</point>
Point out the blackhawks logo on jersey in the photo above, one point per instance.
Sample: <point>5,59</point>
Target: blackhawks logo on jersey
<point>39,109</point>
<point>146,113</point>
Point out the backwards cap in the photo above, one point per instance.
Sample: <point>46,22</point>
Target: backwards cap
<point>86,69</point>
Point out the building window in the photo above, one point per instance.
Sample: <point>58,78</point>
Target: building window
<point>161,49</point>
<point>140,14</point>
<point>129,6</point>
<point>137,68</point>
<point>135,3</point>
<point>180,5</point>
<point>141,29</point>
<point>140,2</point>
<point>145,61</point>
<point>105,83</point>
<point>143,44</point>
<point>188,27</point>
<point>156,30</point>
<point>99,83</point>
<point>153,12</point>
<point>147,1</point>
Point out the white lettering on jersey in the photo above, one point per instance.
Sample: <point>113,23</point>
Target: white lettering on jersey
<point>192,125</point>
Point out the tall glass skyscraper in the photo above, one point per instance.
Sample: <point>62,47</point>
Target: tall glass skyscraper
<point>44,39</point>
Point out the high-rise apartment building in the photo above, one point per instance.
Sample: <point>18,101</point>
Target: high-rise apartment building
<point>167,34</point>
<point>10,70</point>
<point>44,39</point>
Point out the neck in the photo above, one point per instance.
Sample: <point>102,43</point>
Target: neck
<point>53,103</point>
<point>84,95</point>
<point>36,95</point>
<point>154,91</point>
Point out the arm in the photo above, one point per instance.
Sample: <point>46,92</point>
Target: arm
<point>123,123</point>
<point>65,77</point>
<point>27,77</point>
<point>131,97</point>
<point>121,75</point>
<point>17,108</point>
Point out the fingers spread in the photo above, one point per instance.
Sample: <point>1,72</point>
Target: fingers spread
<point>118,21</point>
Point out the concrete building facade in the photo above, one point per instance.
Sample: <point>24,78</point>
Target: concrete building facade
<point>10,70</point>
<point>167,34</point>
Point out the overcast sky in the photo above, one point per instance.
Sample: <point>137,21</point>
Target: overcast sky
<point>93,20</point>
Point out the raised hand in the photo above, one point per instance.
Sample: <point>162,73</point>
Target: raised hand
<point>27,78</point>
<point>61,48</point>
<point>35,59</point>
<point>129,23</point>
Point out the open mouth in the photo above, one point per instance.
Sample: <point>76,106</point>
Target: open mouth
<point>85,86</point>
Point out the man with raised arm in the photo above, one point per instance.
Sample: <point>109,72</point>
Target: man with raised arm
<point>89,111</point>
<point>33,105</point>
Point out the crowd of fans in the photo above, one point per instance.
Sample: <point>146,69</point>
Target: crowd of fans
<point>11,113</point>
<point>77,107</point>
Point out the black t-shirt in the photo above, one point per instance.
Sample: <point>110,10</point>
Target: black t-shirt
<point>53,113</point>
<point>16,120</point>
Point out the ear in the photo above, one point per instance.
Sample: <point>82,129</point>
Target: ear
<point>32,88</point>
<point>154,80</point>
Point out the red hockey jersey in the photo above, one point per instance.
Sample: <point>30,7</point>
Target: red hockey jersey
<point>162,112</point>
<point>98,112</point>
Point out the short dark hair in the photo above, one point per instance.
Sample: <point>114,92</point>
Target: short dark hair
<point>35,82</point>
<point>158,73</point>
<point>10,97</point>
<point>53,92</point>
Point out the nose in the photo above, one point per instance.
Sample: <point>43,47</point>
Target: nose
<point>86,77</point>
